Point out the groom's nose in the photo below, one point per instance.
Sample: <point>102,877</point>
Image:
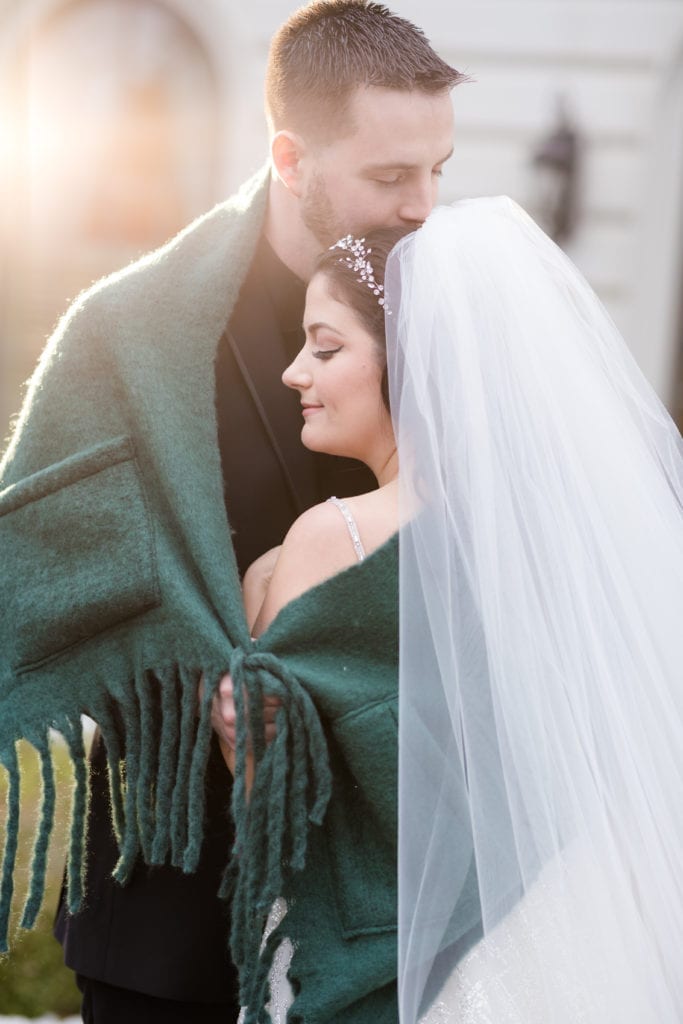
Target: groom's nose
<point>417,203</point>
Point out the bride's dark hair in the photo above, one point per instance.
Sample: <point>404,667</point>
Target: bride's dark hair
<point>346,284</point>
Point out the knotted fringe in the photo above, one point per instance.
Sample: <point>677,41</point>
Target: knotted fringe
<point>188,712</point>
<point>11,763</point>
<point>129,845</point>
<point>112,746</point>
<point>75,873</point>
<point>46,821</point>
<point>170,723</point>
<point>196,786</point>
<point>148,765</point>
<point>157,737</point>
<point>292,786</point>
<point>74,739</point>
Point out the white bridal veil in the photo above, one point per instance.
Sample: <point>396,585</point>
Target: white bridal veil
<point>541,632</point>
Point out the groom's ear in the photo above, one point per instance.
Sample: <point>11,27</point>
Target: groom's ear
<point>287,150</point>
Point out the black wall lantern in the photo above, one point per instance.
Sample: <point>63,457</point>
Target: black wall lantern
<point>556,160</point>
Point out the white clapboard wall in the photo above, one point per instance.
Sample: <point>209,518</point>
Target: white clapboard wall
<point>619,64</point>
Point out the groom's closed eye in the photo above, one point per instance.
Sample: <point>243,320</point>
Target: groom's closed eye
<point>396,180</point>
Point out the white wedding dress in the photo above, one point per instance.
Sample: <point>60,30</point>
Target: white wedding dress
<point>530,969</point>
<point>281,995</point>
<point>521,972</point>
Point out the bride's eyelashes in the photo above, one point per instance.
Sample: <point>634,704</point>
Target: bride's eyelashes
<point>326,353</point>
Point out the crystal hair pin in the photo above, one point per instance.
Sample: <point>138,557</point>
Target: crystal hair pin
<point>357,261</point>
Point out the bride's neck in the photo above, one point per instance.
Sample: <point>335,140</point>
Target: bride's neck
<point>387,472</point>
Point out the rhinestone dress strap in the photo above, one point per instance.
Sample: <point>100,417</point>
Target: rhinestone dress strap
<point>351,523</point>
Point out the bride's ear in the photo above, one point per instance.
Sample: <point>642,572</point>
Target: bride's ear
<point>287,150</point>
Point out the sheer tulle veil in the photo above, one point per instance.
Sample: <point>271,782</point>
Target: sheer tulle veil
<point>541,640</point>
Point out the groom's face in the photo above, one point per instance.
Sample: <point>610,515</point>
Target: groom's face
<point>386,171</point>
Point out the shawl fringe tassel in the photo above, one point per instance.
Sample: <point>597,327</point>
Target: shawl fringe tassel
<point>291,788</point>
<point>157,736</point>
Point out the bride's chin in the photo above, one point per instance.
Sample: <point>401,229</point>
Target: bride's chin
<point>311,443</point>
<point>324,447</point>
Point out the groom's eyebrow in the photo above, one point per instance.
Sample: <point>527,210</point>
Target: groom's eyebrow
<point>400,165</point>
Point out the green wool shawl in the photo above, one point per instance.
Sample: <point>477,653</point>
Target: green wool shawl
<point>119,586</point>
<point>337,644</point>
<point>119,591</point>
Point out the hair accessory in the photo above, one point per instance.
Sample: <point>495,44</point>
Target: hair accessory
<point>358,262</point>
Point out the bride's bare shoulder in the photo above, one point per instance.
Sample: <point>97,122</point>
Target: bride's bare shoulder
<point>320,539</point>
<point>316,547</point>
<point>376,515</point>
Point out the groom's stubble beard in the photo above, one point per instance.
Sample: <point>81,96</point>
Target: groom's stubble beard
<point>319,215</point>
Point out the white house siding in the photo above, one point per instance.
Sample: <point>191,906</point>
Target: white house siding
<point>619,63</point>
<point>61,64</point>
<point>620,66</point>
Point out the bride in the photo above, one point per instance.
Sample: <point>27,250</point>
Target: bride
<point>534,538</point>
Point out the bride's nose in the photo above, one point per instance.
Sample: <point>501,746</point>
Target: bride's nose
<point>296,376</point>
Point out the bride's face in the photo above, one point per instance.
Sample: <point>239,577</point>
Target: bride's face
<point>338,374</point>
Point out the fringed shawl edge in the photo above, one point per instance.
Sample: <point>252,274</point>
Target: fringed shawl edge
<point>157,734</point>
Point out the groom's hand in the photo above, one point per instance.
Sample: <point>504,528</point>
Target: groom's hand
<point>224,719</point>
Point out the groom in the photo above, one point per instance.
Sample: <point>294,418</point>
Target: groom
<point>360,117</point>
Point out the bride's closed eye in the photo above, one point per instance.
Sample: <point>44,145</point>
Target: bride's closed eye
<point>326,353</point>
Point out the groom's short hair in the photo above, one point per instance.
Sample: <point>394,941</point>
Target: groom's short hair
<point>329,48</point>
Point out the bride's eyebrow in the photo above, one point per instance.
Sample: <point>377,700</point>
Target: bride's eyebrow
<point>319,325</point>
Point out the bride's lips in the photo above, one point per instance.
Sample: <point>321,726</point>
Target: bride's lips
<point>306,410</point>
